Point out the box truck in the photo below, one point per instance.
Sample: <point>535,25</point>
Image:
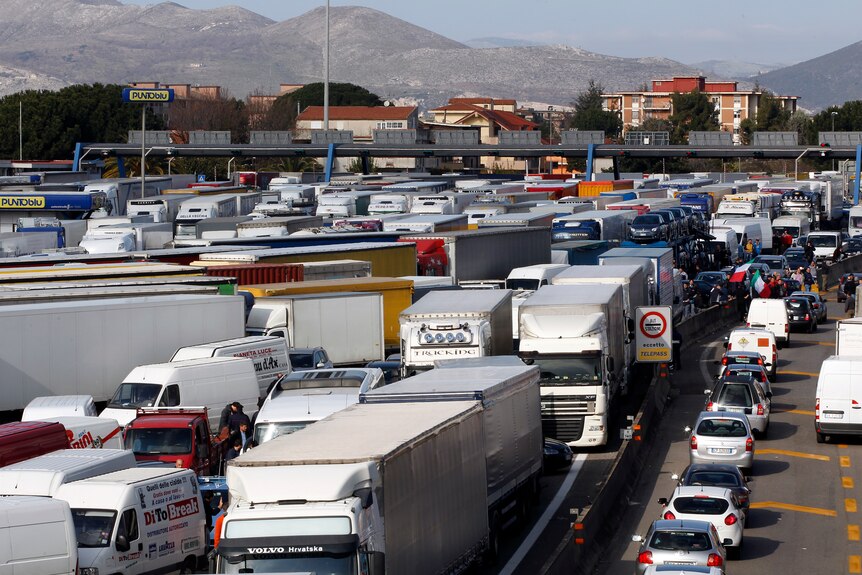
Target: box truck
<point>120,238</point>
<point>608,225</point>
<point>200,208</point>
<point>348,325</point>
<point>88,347</point>
<point>159,208</point>
<point>326,490</point>
<point>658,263</point>
<point>576,335</point>
<point>511,421</point>
<point>454,324</point>
<point>848,335</point>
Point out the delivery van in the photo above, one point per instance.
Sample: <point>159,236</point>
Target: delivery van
<point>37,537</point>
<point>838,397</point>
<point>42,475</point>
<point>138,520</point>
<point>770,314</point>
<point>22,440</point>
<point>92,432</point>
<point>47,407</point>
<point>269,354</point>
<point>212,382</point>
<point>760,340</point>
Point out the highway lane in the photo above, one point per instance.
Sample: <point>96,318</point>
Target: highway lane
<point>804,515</point>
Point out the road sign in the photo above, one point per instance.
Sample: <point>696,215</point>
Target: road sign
<point>653,336</point>
<point>148,95</point>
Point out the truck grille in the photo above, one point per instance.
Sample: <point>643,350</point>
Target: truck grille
<point>563,428</point>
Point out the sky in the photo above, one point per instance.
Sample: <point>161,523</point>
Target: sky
<point>688,31</point>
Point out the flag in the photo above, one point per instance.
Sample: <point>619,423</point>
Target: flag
<point>759,285</point>
<point>739,273</point>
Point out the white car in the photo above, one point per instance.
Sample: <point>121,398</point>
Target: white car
<point>718,505</point>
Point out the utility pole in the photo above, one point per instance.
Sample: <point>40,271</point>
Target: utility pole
<point>326,73</point>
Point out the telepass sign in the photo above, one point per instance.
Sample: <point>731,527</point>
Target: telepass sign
<point>653,334</point>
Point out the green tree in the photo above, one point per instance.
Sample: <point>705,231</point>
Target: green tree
<point>53,122</point>
<point>771,115</point>
<point>282,114</point>
<point>692,112</point>
<point>590,114</point>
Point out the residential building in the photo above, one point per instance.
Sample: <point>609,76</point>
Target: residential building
<point>733,104</point>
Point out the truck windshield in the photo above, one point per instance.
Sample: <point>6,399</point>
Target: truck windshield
<point>523,283</point>
<point>823,241</point>
<point>93,527</point>
<point>159,441</point>
<point>856,221</point>
<point>265,431</point>
<point>134,395</point>
<point>328,563</point>
<point>570,371</point>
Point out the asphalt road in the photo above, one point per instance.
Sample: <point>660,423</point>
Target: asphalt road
<point>803,516</point>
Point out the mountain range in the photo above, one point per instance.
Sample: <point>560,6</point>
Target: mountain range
<point>45,44</point>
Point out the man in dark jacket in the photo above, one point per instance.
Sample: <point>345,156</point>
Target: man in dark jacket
<point>236,417</point>
<point>850,286</point>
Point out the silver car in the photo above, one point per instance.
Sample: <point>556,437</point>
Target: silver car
<point>680,570</point>
<point>718,505</point>
<point>681,543</point>
<point>721,437</point>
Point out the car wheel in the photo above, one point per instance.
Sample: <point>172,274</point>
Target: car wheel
<point>821,438</point>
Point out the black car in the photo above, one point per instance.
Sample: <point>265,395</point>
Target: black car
<point>799,314</point>
<point>391,369</point>
<point>649,228</point>
<point>705,280</point>
<point>557,455</point>
<point>854,246</point>
<point>718,475</point>
<point>796,260</point>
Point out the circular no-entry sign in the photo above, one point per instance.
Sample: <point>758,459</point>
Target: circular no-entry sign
<point>653,325</point>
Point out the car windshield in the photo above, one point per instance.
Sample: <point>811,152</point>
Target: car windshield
<point>133,395</point>
<point>263,432</point>
<point>302,360</point>
<point>797,304</point>
<point>93,527</point>
<point>159,441</point>
<point>680,541</point>
<point>722,428</point>
<point>701,505</point>
<point>715,478</point>
<point>735,395</point>
<point>647,220</point>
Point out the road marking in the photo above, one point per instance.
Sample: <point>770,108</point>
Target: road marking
<point>842,446</point>
<point>543,521</point>
<point>800,412</point>
<point>850,505</point>
<point>826,343</point>
<point>792,507</point>
<point>844,460</point>
<point>793,454</point>
<point>852,533</point>
<point>847,482</point>
<point>705,360</point>
<point>805,373</point>
<point>854,564</point>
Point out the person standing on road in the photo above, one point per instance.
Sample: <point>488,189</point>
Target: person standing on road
<point>850,291</point>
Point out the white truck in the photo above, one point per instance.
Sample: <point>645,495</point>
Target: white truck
<point>576,335</point>
<point>848,334</point>
<point>200,208</point>
<point>315,501</point>
<point>88,347</point>
<point>760,204</point>
<point>127,238</point>
<point>37,536</point>
<point>658,264</point>
<point>523,281</point>
<point>348,325</point>
<point>160,208</point>
<point>443,204</point>
<point>120,190</point>
<point>509,392</point>
<point>455,324</point>
<point>796,226</point>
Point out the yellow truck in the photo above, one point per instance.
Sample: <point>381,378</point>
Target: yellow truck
<point>397,296</point>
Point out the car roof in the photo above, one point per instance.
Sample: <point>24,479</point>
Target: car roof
<point>694,467</point>
<point>805,294</point>
<point>741,353</point>
<point>733,379</point>
<point>741,366</point>
<point>722,415</point>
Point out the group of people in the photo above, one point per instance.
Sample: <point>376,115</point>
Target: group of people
<point>237,426</point>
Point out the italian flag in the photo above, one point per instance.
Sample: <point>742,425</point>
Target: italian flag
<point>759,285</point>
<point>739,273</point>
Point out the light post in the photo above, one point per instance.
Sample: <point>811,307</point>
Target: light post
<point>833,113</point>
<point>326,73</point>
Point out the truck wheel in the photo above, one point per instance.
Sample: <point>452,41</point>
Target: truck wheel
<point>493,551</point>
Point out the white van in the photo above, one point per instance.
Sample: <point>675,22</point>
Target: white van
<point>825,243</point>
<point>92,432</point>
<point>269,354</point>
<point>44,474</point>
<point>760,340</point>
<point>838,395</point>
<point>47,407</point>
<point>37,537</point>
<point>140,520</point>
<point>304,397</point>
<point>211,382</point>
<point>749,229</point>
<point>796,226</point>
<point>770,314</point>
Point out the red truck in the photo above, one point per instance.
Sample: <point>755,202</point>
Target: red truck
<point>22,440</point>
<point>172,434</point>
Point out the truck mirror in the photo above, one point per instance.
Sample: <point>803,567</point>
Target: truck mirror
<point>610,364</point>
<point>122,544</point>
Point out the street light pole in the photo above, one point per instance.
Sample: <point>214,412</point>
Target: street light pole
<point>143,150</point>
<point>326,73</point>
<point>833,131</point>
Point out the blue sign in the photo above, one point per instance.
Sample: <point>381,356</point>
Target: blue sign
<point>202,177</point>
<point>148,95</point>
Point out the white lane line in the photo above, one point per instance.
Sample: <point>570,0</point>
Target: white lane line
<point>543,521</point>
<point>705,360</point>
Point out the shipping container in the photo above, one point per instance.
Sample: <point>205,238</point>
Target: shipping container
<point>587,189</point>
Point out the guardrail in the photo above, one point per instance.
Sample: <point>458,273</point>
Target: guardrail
<point>583,545</point>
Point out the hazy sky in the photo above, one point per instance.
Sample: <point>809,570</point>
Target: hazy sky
<point>689,31</point>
